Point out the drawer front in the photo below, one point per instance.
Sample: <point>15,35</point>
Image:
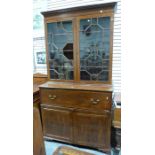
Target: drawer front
<point>77,99</point>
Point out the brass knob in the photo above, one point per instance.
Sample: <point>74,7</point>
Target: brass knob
<point>52,97</point>
<point>107,98</point>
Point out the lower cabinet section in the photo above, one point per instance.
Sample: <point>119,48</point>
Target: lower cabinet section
<point>77,126</point>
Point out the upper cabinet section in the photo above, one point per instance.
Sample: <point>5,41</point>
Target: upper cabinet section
<point>79,44</point>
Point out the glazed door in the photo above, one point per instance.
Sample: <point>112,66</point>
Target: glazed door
<point>60,45</point>
<point>95,50</point>
<point>92,129</point>
<point>80,50</point>
<point>57,123</point>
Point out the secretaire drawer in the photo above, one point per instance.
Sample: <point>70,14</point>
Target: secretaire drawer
<point>76,98</point>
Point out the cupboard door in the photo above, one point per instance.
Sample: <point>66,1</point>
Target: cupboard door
<point>92,129</point>
<point>95,48</point>
<point>57,124</point>
<point>60,50</point>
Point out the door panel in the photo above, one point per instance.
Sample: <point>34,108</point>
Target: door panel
<point>57,123</point>
<point>92,129</point>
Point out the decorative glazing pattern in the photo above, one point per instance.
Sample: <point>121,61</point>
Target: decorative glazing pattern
<point>94,48</point>
<point>60,50</point>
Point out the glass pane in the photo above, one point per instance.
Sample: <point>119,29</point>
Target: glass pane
<point>60,50</point>
<point>94,48</point>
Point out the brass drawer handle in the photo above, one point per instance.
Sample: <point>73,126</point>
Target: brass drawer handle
<point>52,97</point>
<point>94,101</point>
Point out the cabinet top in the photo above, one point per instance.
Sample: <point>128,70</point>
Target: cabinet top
<point>79,8</point>
<point>77,86</point>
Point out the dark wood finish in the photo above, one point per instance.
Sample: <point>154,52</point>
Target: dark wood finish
<point>57,123</point>
<point>92,129</point>
<point>38,79</point>
<point>77,86</point>
<point>81,8</point>
<point>70,112</point>
<point>76,51</point>
<point>76,111</point>
<point>38,144</point>
<point>78,99</point>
